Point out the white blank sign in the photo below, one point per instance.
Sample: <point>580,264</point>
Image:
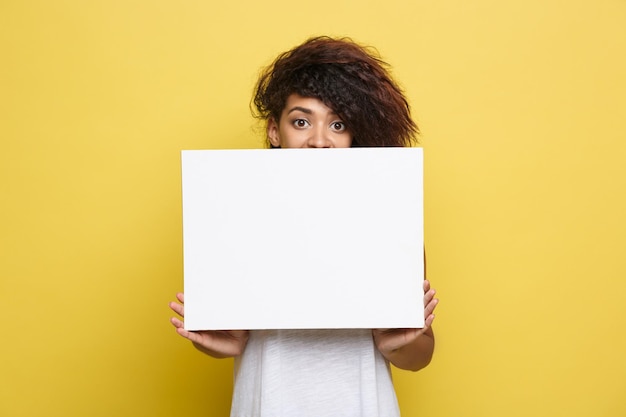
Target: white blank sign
<point>303,238</point>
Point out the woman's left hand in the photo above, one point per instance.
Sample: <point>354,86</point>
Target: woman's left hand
<point>410,348</point>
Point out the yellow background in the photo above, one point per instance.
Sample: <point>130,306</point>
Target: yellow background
<point>522,106</point>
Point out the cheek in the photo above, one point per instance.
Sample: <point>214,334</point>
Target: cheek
<point>345,141</point>
<point>291,138</point>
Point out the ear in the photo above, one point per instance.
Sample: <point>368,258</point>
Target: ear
<point>272,132</point>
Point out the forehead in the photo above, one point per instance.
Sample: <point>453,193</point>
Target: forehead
<point>296,102</point>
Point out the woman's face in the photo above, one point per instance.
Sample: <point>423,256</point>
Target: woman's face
<point>306,122</point>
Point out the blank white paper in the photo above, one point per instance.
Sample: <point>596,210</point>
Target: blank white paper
<point>303,238</point>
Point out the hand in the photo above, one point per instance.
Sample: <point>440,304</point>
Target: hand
<point>410,348</point>
<point>216,343</point>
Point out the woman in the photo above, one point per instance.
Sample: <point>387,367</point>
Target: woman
<point>325,93</point>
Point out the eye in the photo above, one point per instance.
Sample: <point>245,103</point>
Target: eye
<point>300,123</point>
<point>338,126</point>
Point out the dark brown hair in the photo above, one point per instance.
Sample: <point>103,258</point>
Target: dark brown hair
<point>348,78</point>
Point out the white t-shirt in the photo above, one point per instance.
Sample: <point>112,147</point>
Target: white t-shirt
<point>317,373</point>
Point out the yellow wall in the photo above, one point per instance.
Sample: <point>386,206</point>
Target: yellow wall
<point>522,106</point>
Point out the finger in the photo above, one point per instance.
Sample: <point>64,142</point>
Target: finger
<point>181,297</point>
<point>382,330</point>
<point>177,308</point>
<point>429,295</point>
<point>194,337</point>
<point>430,307</point>
<point>426,285</point>
<point>397,339</point>
<point>238,333</point>
<point>180,329</point>
<point>428,322</point>
<point>177,323</point>
<point>184,333</point>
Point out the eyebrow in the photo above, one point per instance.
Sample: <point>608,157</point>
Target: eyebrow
<point>305,110</point>
<point>302,109</point>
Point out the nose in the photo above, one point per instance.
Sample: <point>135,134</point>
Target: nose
<point>319,138</point>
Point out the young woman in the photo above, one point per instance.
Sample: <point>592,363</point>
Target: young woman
<point>325,93</point>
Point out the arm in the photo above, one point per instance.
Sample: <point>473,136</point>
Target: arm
<point>215,343</point>
<point>410,349</point>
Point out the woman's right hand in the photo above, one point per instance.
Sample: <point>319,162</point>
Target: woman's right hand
<point>216,343</point>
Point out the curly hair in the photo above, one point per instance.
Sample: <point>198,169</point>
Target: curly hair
<point>350,79</point>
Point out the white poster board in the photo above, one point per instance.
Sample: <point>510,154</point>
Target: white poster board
<point>303,238</point>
